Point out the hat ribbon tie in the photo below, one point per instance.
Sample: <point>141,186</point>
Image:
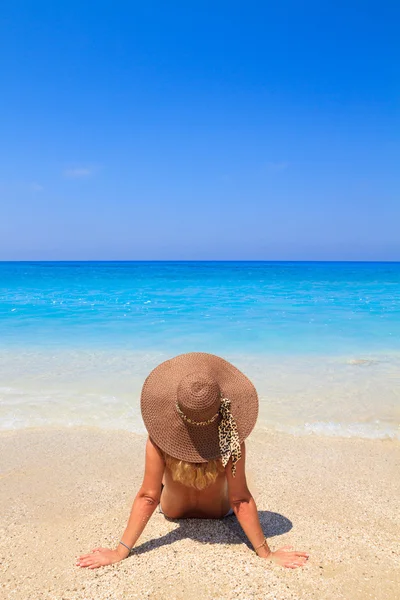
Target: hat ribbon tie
<point>229,441</point>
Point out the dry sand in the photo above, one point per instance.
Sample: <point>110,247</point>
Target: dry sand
<point>63,492</point>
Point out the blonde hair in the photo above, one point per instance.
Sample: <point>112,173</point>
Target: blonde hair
<point>196,475</point>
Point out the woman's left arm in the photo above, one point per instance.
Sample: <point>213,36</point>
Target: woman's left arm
<point>144,505</point>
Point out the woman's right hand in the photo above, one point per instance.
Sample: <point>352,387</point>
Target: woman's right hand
<point>290,560</point>
<point>99,557</point>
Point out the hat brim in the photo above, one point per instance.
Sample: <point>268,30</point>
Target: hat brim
<point>193,443</point>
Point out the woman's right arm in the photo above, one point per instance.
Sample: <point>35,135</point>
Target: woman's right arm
<point>245,509</point>
<point>143,507</point>
<point>147,498</point>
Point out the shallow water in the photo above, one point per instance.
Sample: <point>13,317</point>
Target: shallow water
<point>320,340</point>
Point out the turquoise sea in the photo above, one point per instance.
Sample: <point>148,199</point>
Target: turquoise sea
<point>320,340</point>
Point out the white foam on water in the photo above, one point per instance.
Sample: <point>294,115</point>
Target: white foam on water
<point>20,409</point>
<point>357,396</point>
<point>371,431</point>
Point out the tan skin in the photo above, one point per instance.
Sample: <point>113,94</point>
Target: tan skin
<point>179,502</point>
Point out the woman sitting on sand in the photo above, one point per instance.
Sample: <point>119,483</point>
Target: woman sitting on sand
<point>198,410</point>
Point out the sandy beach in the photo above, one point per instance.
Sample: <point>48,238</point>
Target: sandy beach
<point>65,491</point>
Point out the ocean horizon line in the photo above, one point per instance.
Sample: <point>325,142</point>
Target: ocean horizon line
<point>202,261</point>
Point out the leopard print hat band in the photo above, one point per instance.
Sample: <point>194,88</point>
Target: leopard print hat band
<point>228,435</point>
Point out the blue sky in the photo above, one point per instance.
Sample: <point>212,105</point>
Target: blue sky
<point>199,130</point>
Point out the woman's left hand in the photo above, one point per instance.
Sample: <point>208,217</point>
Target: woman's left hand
<point>100,557</point>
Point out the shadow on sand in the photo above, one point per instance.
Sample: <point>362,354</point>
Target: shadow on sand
<point>217,531</point>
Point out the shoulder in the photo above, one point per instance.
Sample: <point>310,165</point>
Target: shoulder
<point>152,450</point>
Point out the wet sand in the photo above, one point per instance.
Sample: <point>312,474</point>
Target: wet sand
<point>65,491</point>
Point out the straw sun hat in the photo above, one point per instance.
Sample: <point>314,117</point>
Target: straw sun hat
<point>197,407</point>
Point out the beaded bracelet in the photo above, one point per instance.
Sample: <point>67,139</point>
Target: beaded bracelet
<point>261,545</point>
<point>127,547</point>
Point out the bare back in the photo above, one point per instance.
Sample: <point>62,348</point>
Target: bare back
<point>181,501</point>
